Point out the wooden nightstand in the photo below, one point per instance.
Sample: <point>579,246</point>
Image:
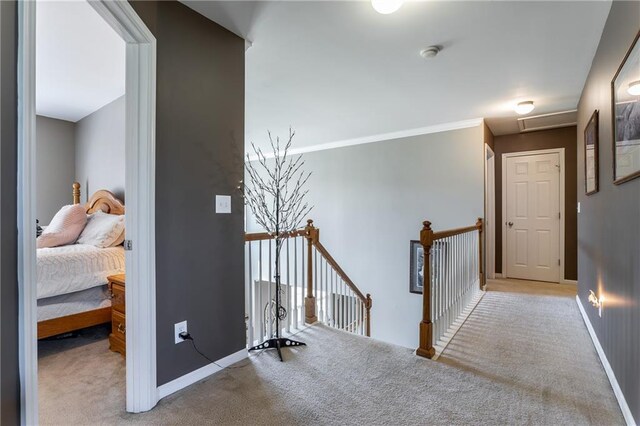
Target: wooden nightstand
<point>117,338</point>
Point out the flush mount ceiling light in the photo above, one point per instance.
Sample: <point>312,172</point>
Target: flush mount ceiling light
<point>386,6</point>
<point>634,88</point>
<point>430,52</point>
<point>524,107</point>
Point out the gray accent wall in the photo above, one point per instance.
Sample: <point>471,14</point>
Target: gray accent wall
<point>9,379</point>
<point>56,166</point>
<point>100,150</point>
<point>609,222</point>
<point>199,153</point>
<point>370,201</point>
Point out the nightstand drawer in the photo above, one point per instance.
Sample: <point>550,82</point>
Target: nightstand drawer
<point>117,298</point>
<point>118,325</point>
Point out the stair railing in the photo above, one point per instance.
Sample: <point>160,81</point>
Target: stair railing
<point>453,278</point>
<point>314,286</point>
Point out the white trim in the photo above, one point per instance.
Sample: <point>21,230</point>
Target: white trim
<point>490,213</point>
<point>142,392</point>
<point>624,407</point>
<point>499,275</point>
<point>563,216</point>
<point>437,128</point>
<point>28,317</point>
<point>573,282</point>
<point>523,120</point>
<point>233,358</point>
<point>201,373</point>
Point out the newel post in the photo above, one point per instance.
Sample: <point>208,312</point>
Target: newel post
<point>311,234</point>
<point>368,317</point>
<point>426,348</point>
<point>76,193</point>
<point>480,264</point>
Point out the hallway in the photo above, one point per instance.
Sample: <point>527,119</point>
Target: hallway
<point>523,357</point>
<point>529,340</point>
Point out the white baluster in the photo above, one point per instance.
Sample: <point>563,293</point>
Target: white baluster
<point>294,314</point>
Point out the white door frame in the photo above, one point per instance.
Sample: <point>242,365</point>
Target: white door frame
<point>560,152</point>
<point>142,392</point>
<point>490,210</point>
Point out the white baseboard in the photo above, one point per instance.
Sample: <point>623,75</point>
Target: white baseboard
<point>626,412</point>
<point>199,374</point>
<point>499,275</point>
<point>233,358</point>
<point>574,282</point>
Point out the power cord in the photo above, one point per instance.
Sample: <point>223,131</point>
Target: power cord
<point>187,336</point>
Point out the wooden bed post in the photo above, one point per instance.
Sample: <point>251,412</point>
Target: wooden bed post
<point>76,193</point>
<point>426,348</point>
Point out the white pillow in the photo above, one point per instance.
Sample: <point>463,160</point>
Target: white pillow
<point>102,230</point>
<point>64,228</point>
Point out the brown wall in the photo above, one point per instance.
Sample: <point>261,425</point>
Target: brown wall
<point>544,139</point>
<point>608,223</point>
<point>488,137</point>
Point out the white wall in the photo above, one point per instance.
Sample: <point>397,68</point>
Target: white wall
<point>100,150</point>
<point>370,201</point>
<point>55,171</point>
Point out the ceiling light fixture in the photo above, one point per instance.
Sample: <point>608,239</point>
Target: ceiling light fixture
<point>634,88</point>
<point>386,6</point>
<point>524,107</point>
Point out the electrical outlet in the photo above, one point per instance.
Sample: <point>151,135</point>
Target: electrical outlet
<point>180,327</point>
<point>223,204</point>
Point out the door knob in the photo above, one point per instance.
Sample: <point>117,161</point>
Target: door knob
<point>510,224</point>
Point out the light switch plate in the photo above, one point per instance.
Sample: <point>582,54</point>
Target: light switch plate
<point>223,203</point>
<point>578,206</point>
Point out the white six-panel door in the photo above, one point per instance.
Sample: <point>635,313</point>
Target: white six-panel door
<point>533,217</point>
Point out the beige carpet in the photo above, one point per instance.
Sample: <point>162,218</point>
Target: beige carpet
<point>523,357</point>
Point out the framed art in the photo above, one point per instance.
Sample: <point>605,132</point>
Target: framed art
<point>625,108</point>
<point>416,267</point>
<point>591,150</point>
<point>416,264</point>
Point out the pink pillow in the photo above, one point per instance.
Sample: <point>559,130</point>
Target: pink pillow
<point>65,227</point>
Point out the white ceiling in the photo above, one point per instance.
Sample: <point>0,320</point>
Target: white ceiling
<point>80,60</point>
<point>338,70</point>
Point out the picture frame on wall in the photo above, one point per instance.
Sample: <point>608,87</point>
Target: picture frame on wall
<point>416,264</point>
<point>591,154</point>
<point>625,108</point>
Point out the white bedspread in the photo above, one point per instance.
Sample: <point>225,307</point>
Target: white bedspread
<point>63,270</point>
<point>73,303</point>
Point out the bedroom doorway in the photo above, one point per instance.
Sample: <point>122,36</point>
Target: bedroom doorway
<point>141,387</point>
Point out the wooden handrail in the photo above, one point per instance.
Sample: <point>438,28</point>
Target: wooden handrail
<point>331,261</point>
<point>312,234</point>
<point>453,232</point>
<point>258,236</point>
<point>427,237</point>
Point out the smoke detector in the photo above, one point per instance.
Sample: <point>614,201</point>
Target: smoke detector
<point>430,52</point>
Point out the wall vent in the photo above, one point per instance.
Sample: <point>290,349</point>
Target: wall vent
<point>548,121</point>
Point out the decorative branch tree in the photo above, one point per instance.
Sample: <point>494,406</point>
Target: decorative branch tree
<point>276,194</point>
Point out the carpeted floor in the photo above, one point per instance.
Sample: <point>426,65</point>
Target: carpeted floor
<point>524,356</point>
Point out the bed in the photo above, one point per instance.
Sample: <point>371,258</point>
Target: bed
<point>72,280</point>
